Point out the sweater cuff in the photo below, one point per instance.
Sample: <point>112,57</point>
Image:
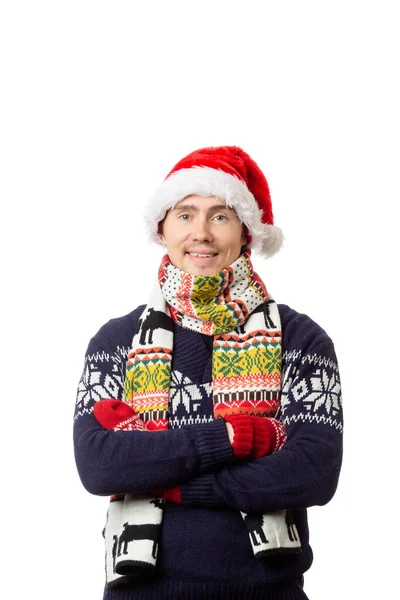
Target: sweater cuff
<point>212,443</point>
<point>198,490</point>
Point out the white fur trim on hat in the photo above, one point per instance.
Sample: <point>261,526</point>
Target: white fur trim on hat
<point>204,181</point>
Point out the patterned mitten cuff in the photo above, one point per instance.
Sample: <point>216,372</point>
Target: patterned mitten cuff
<point>116,414</point>
<point>269,435</point>
<point>242,434</point>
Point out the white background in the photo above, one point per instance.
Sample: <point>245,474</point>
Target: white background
<point>98,101</point>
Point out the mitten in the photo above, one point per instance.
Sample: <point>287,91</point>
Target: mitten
<point>116,414</point>
<point>242,434</point>
<point>269,435</point>
<point>173,495</point>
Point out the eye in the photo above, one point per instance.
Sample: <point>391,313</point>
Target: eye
<point>220,218</point>
<point>184,217</point>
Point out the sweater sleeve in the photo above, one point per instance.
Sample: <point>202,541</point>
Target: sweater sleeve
<point>305,471</point>
<point>137,462</point>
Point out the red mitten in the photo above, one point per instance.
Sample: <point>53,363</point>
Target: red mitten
<point>269,435</point>
<point>116,414</point>
<point>173,495</point>
<point>242,434</point>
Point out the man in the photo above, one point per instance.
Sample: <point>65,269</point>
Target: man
<point>211,416</point>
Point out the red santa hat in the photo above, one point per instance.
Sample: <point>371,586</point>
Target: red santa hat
<point>228,173</point>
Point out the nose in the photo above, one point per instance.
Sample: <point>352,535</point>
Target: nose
<point>202,230</point>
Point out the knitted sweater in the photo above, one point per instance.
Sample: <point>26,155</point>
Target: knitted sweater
<point>205,551</point>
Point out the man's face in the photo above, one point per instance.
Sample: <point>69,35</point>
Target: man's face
<point>202,235</point>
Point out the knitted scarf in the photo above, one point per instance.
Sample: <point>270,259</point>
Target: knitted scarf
<point>234,307</point>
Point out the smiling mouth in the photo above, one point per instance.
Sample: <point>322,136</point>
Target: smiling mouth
<point>202,255</point>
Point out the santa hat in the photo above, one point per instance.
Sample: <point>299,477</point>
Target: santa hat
<point>228,173</point>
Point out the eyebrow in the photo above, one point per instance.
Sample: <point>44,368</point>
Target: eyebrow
<point>212,208</point>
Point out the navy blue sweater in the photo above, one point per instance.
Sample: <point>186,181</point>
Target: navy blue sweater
<point>205,551</point>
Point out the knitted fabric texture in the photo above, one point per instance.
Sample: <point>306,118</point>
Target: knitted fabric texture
<point>234,307</point>
<point>246,354</point>
<point>204,551</point>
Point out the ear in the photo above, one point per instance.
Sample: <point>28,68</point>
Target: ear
<point>245,238</point>
<point>160,232</point>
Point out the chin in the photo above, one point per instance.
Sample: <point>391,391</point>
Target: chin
<point>206,272</point>
<point>198,270</point>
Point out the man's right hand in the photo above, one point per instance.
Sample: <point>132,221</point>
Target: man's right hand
<point>254,437</point>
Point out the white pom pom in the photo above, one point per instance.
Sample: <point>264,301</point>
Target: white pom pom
<point>269,242</point>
